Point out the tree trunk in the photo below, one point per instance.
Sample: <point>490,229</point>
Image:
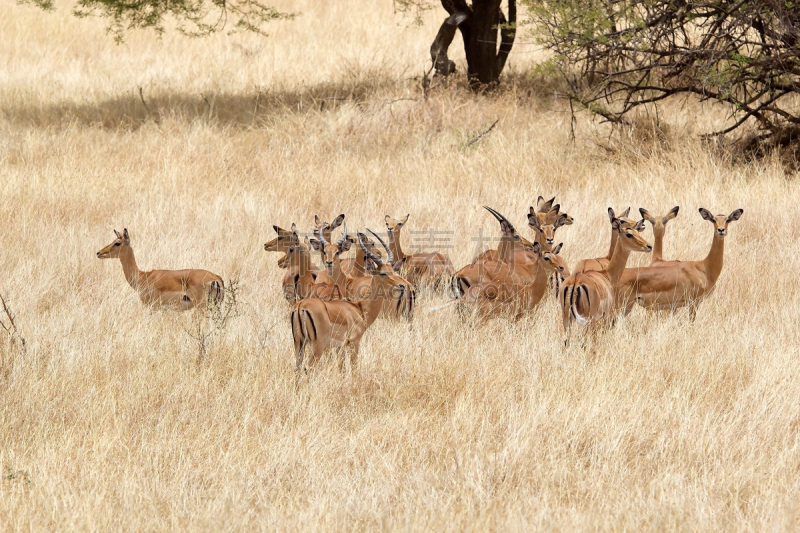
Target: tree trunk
<point>479,28</point>
<point>482,46</point>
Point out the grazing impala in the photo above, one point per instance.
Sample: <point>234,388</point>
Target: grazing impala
<point>178,289</point>
<point>659,229</point>
<point>601,263</point>
<point>325,325</point>
<point>589,297</point>
<point>419,268</point>
<point>495,298</point>
<point>672,284</point>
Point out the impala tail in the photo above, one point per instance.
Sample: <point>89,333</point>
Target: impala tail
<point>216,292</point>
<point>575,304</point>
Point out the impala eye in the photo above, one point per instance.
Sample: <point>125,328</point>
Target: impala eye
<point>546,258</point>
<point>629,236</point>
<point>117,244</point>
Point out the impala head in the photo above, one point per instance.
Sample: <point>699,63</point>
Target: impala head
<point>393,225</point>
<point>331,252</point>
<point>112,250</point>
<point>283,241</point>
<point>552,262</point>
<point>631,237</point>
<point>656,221</point>
<point>385,271</point>
<point>546,232</point>
<point>721,221</point>
<point>326,228</point>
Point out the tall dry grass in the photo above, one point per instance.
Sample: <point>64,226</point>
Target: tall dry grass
<point>108,423</point>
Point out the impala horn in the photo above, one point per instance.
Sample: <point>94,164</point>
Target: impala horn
<point>375,258</point>
<point>340,242</point>
<point>390,255</point>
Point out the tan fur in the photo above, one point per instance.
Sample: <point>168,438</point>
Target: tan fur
<point>420,268</point>
<point>601,263</point>
<point>673,284</point>
<point>659,224</point>
<point>176,289</point>
<point>588,297</point>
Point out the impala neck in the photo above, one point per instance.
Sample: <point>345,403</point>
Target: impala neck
<point>617,262</point>
<point>371,307</point>
<point>337,275</point>
<point>713,261</point>
<point>394,245</point>
<point>129,268</point>
<point>302,261</point>
<point>658,241</point>
<point>361,262</point>
<point>614,239</point>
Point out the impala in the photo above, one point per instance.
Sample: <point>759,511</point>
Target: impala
<point>492,299</point>
<point>335,282</point>
<point>601,263</point>
<point>659,229</point>
<point>282,243</point>
<point>180,289</point>
<point>513,261</point>
<point>672,284</point>
<point>326,228</point>
<point>420,268</point>
<point>325,325</point>
<point>299,281</point>
<point>589,297</point>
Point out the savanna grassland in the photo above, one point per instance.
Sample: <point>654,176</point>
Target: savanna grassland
<point>110,421</point>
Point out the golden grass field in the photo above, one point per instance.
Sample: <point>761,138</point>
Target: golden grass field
<point>108,422</point>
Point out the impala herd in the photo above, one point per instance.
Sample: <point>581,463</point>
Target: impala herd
<point>333,306</point>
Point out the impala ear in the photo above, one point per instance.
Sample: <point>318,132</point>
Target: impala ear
<point>735,215</point>
<point>672,214</point>
<point>117,234</point>
<point>706,214</point>
<point>646,215</point>
<point>294,227</point>
<point>615,225</point>
<point>531,210</point>
<point>558,248</point>
<point>561,221</point>
<point>346,244</point>
<point>398,265</point>
<point>537,249</point>
<point>125,236</point>
<point>556,208</point>
<point>317,221</point>
<point>626,213</point>
<point>639,225</point>
<point>539,200</point>
<point>548,205</point>
<point>315,244</point>
<point>611,215</point>
<point>337,222</point>
<point>533,221</point>
<point>403,222</point>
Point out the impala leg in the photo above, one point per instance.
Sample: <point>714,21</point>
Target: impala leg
<point>354,355</point>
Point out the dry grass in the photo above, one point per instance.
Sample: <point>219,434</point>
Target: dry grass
<point>108,423</point>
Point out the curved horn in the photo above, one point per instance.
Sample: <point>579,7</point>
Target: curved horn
<point>390,255</point>
<point>369,254</point>
<point>344,236</point>
<point>497,215</point>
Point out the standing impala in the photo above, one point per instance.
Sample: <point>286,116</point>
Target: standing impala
<point>601,263</point>
<point>179,289</point>
<point>589,297</point>
<point>325,325</point>
<point>419,268</point>
<point>659,229</point>
<point>672,284</point>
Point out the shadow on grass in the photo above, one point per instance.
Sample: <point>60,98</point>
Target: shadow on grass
<point>245,110</point>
